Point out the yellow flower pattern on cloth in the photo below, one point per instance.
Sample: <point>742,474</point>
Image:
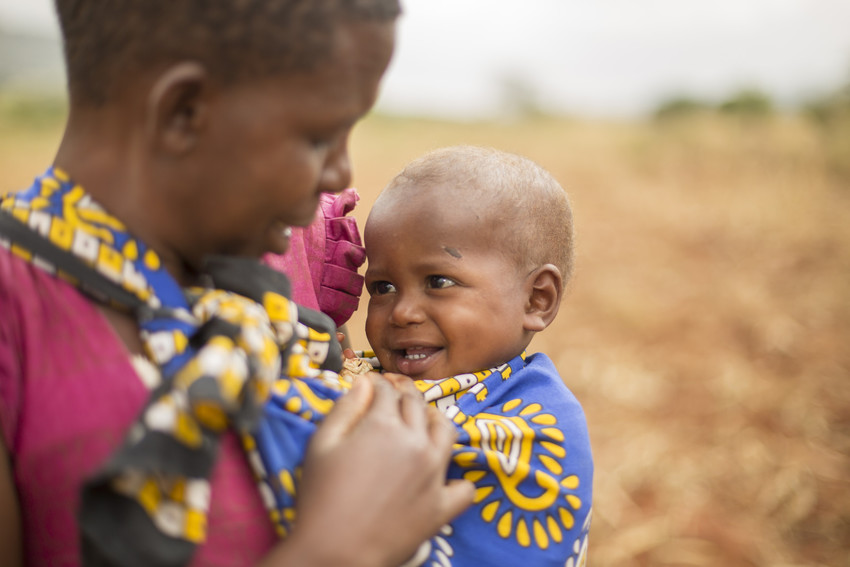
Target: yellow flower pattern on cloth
<point>523,443</point>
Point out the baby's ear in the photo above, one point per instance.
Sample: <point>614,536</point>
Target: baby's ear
<point>177,107</point>
<point>544,288</point>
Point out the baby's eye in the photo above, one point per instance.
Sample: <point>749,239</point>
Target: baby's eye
<point>381,288</point>
<point>440,282</point>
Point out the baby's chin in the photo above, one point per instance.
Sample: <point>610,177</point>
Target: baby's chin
<point>430,376</point>
<point>436,375</point>
<point>431,370</point>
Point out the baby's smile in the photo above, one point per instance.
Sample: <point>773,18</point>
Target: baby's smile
<point>415,361</point>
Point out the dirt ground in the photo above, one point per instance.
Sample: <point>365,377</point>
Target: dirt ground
<point>705,332</point>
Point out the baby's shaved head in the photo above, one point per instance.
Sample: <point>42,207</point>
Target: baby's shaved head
<point>108,42</point>
<point>510,193</point>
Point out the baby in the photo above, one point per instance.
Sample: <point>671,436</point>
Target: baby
<point>469,250</point>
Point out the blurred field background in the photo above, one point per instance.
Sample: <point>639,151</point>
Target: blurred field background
<point>705,332</point>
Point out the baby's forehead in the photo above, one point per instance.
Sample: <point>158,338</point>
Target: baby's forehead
<point>455,221</point>
<point>445,197</point>
<point>468,205</point>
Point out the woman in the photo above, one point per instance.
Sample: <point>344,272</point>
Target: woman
<point>192,132</point>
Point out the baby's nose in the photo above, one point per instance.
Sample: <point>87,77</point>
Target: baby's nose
<point>407,311</point>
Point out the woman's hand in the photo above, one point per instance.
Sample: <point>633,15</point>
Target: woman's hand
<point>374,485</point>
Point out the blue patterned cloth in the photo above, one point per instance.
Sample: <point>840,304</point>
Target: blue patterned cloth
<point>523,441</point>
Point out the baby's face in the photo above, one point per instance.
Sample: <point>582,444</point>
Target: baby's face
<point>444,298</point>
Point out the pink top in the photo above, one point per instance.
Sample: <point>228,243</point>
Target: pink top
<point>68,392</point>
<point>323,259</point>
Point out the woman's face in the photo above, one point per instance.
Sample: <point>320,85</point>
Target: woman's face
<point>274,146</point>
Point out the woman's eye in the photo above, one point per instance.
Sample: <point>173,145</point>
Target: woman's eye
<point>320,143</point>
<point>440,282</point>
<point>382,288</point>
<point>327,139</point>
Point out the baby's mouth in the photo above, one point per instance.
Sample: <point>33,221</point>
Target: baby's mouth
<point>415,355</point>
<point>415,361</point>
<point>418,353</point>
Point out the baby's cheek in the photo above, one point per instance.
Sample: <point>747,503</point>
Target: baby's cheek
<point>371,332</point>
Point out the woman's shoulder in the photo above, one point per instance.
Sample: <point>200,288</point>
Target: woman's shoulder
<point>41,311</point>
<point>24,285</point>
<point>50,337</point>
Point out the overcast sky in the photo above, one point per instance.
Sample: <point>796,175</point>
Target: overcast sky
<point>601,57</point>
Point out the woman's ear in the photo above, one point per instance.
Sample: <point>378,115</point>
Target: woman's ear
<point>178,107</point>
<point>544,287</point>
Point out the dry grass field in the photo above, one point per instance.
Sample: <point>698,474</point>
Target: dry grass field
<point>706,332</point>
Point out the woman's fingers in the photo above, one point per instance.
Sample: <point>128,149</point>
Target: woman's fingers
<point>441,430</point>
<point>347,413</point>
<point>413,411</point>
<point>381,465</point>
<point>457,496</point>
<point>402,383</point>
<point>386,401</point>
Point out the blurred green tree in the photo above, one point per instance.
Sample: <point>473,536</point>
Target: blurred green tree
<point>832,109</point>
<point>679,106</point>
<point>748,102</point>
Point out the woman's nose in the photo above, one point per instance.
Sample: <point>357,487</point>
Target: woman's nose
<point>336,174</point>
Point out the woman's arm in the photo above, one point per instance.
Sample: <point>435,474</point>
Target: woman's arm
<point>10,514</point>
